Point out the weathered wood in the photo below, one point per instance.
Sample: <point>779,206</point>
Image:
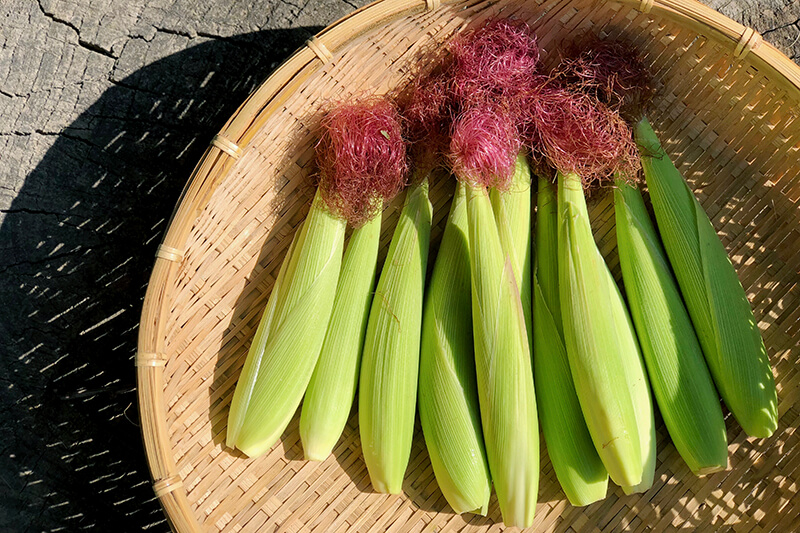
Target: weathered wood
<point>778,21</point>
<point>105,107</point>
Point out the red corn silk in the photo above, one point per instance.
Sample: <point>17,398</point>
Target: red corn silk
<point>492,74</point>
<point>614,72</point>
<point>493,62</point>
<point>578,134</point>
<point>427,112</point>
<point>527,104</point>
<point>361,155</point>
<point>484,146</point>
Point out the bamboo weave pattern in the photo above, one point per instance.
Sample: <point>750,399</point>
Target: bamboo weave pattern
<point>727,114</point>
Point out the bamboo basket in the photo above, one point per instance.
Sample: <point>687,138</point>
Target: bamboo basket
<point>727,113</point>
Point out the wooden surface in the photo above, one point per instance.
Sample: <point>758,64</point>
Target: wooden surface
<point>105,106</point>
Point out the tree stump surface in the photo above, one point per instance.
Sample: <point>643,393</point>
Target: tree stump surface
<point>105,108</point>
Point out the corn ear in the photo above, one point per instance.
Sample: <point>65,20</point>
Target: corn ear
<point>512,212</point>
<point>287,351</point>
<point>390,362</point>
<point>448,393</point>
<point>330,394</point>
<point>247,377</point>
<point>715,299</point>
<point>599,347</point>
<point>681,382</point>
<point>577,465</point>
<point>639,387</point>
<point>636,376</point>
<point>503,368</point>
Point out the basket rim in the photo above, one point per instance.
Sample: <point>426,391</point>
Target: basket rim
<point>226,147</point>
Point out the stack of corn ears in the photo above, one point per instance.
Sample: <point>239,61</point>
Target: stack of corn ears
<point>471,346</point>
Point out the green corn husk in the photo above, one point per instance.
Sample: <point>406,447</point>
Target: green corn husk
<point>603,354</point>
<point>681,382</point>
<point>244,385</point>
<point>283,355</point>
<point>642,403</point>
<point>390,362</point>
<point>640,391</point>
<point>503,368</point>
<point>512,211</point>
<point>330,394</point>
<point>448,392</point>
<point>575,460</point>
<point>715,299</point>
<point>639,386</point>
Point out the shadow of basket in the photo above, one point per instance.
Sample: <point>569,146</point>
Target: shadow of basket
<point>78,245</point>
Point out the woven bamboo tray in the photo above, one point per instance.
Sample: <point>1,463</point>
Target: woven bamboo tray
<point>727,113</point>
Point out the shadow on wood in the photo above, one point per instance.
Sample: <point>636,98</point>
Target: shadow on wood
<point>78,245</point>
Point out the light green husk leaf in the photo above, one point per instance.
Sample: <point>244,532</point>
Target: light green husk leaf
<point>330,394</point>
<point>285,353</point>
<point>246,381</point>
<point>512,212</point>
<point>503,368</point>
<point>715,299</point>
<point>681,382</point>
<point>390,362</point>
<point>636,376</point>
<point>569,444</point>
<point>448,393</point>
<point>601,346</point>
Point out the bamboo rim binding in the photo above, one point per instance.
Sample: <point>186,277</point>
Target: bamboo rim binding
<point>230,144</point>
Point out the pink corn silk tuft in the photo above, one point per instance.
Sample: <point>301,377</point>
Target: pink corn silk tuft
<point>578,134</point>
<point>427,110</point>
<point>362,158</point>
<point>615,73</point>
<point>484,147</point>
<point>492,74</point>
<point>527,109</point>
<point>495,61</point>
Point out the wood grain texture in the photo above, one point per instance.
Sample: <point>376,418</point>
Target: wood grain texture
<point>105,107</point>
<point>778,21</point>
